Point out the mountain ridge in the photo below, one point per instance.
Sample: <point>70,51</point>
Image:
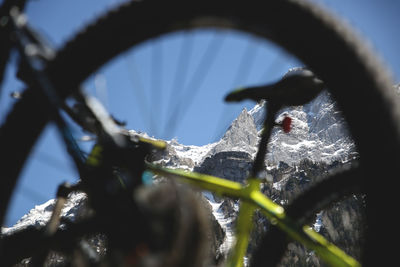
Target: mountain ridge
<point>318,141</point>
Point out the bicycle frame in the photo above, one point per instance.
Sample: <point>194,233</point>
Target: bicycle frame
<point>5,26</point>
<point>252,199</point>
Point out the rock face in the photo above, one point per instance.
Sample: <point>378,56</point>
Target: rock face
<point>341,223</point>
<point>39,216</point>
<point>232,165</point>
<point>318,144</point>
<point>241,136</point>
<point>319,133</point>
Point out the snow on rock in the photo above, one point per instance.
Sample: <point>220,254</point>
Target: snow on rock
<point>195,153</point>
<point>40,214</point>
<point>319,133</point>
<point>318,222</point>
<point>224,220</point>
<point>258,114</point>
<point>241,136</point>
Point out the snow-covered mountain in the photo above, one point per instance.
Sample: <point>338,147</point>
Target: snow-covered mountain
<point>40,215</point>
<point>319,140</point>
<point>319,134</point>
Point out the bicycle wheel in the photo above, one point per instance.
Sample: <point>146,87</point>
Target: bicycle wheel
<point>317,38</point>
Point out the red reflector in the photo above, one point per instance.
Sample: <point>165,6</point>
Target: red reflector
<point>287,124</point>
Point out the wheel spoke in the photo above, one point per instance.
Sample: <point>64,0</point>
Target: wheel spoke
<point>139,91</point>
<point>242,73</point>
<point>186,98</point>
<point>181,72</point>
<point>155,86</point>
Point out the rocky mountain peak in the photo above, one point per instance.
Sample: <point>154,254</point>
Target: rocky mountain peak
<point>319,133</point>
<point>242,136</point>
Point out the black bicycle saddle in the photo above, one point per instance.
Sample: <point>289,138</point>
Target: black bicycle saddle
<point>297,87</point>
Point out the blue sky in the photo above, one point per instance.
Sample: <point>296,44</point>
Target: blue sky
<point>203,118</point>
